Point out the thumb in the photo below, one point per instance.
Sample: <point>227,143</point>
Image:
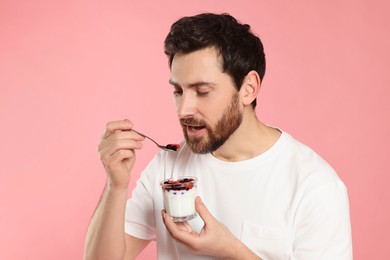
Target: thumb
<point>203,212</point>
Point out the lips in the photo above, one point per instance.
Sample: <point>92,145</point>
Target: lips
<point>194,130</point>
<point>193,127</point>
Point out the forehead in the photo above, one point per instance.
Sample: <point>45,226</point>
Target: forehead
<point>203,65</point>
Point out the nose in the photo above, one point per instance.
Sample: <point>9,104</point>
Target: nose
<point>186,106</point>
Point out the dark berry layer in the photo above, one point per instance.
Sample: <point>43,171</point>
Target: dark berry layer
<point>181,184</point>
<point>173,147</point>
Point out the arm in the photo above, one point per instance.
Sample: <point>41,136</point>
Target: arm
<point>106,238</point>
<point>323,228</point>
<point>214,239</point>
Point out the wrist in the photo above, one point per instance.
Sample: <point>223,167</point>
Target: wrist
<point>239,251</point>
<point>114,189</point>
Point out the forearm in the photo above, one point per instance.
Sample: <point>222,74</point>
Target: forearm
<point>240,251</point>
<point>105,236</point>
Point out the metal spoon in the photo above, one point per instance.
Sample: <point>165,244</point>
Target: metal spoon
<point>168,147</point>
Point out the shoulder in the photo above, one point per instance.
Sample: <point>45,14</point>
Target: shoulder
<point>308,166</point>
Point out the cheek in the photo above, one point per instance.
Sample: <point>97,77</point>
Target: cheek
<point>212,112</point>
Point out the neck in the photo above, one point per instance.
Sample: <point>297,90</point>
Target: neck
<point>251,138</point>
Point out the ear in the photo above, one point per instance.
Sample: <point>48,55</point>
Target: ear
<point>250,87</point>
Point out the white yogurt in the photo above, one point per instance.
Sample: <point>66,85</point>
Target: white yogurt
<point>180,203</point>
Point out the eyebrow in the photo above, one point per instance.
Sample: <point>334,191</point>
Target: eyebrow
<point>192,85</point>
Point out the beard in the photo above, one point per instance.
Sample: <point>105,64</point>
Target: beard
<point>225,127</point>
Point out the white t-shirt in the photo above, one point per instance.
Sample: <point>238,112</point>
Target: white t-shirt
<point>286,203</point>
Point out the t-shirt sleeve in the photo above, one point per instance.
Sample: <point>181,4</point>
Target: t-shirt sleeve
<point>140,215</point>
<point>323,224</point>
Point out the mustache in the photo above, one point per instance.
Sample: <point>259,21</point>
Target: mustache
<point>191,121</point>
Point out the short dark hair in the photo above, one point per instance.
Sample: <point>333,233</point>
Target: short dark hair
<point>241,50</point>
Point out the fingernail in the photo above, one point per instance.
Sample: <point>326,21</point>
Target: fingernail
<point>128,123</point>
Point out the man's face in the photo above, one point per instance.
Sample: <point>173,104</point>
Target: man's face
<point>208,104</point>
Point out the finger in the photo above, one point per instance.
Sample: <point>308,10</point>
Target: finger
<point>111,148</point>
<point>123,135</point>
<point>120,155</point>
<point>203,212</point>
<point>114,126</point>
<point>118,137</point>
<point>178,231</point>
<point>116,156</point>
<point>185,226</point>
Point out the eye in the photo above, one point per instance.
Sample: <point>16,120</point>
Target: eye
<point>202,93</point>
<point>177,92</point>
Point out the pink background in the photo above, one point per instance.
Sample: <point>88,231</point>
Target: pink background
<point>68,67</point>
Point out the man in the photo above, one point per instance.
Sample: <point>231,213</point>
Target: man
<point>262,194</point>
